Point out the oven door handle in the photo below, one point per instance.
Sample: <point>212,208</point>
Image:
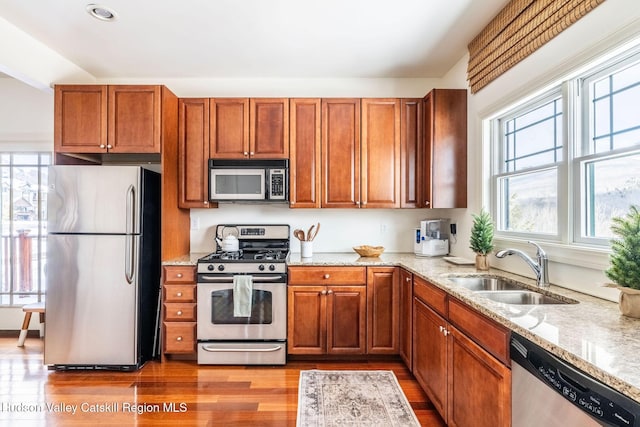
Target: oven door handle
<point>216,279</point>
<point>212,349</point>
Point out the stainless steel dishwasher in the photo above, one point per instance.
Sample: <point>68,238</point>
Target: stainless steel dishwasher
<point>547,391</point>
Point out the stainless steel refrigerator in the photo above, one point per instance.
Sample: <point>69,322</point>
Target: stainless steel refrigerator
<point>103,267</point>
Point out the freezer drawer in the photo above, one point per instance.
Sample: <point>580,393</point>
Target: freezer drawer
<point>92,309</point>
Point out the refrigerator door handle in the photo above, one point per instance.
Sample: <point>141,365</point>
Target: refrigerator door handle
<point>130,245</point>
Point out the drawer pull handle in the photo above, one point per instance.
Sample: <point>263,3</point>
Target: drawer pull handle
<point>179,275</point>
<point>179,312</point>
<point>179,294</point>
<point>178,338</point>
<point>212,349</point>
<point>326,276</point>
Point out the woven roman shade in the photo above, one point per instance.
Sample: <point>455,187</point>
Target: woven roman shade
<point>516,32</point>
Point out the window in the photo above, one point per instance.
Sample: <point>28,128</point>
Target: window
<point>570,156</point>
<point>24,216</point>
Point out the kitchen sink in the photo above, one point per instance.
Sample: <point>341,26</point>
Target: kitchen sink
<point>485,283</point>
<point>519,297</point>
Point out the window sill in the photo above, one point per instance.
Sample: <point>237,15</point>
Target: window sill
<point>576,255</point>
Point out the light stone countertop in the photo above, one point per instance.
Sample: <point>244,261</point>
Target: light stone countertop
<point>591,335</point>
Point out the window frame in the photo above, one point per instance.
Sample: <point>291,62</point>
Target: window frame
<point>576,136</point>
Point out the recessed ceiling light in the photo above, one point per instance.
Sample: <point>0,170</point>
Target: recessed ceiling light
<point>100,12</point>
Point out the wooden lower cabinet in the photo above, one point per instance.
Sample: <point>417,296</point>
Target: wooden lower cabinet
<point>326,319</point>
<point>466,383</point>
<point>479,385</point>
<point>179,310</point>
<point>406,317</point>
<point>383,310</point>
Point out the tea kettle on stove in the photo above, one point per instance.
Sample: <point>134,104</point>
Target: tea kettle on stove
<point>229,243</point>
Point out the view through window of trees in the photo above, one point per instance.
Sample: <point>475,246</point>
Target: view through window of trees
<point>581,165</point>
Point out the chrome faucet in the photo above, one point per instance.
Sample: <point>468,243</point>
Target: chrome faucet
<point>540,268</point>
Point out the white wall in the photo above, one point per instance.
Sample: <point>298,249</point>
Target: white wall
<point>610,24</point>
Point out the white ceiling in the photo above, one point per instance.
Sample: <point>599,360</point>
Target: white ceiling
<point>257,38</point>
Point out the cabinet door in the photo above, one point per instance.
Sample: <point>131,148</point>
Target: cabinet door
<point>380,153</point>
<point>193,153</point>
<point>229,128</point>
<point>346,317</point>
<point>134,119</point>
<point>430,355</point>
<point>383,294</point>
<point>406,317</point>
<point>479,385</point>
<point>304,163</point>
<point>411,145</point>
<point>340,153</point>
<point>445,159</point>
<point>80,119</point>
<point>269,128</point>
<point>307,320</point>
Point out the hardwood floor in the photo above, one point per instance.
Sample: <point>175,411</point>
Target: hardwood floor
<point>175,393</point>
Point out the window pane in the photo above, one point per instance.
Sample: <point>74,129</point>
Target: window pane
<point>530,202</point>
<point>614,121</point>
<point>611,186</point>
<point>26,159</point>
<point>534,138</point>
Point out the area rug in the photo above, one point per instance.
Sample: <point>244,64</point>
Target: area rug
<point>352,398</point>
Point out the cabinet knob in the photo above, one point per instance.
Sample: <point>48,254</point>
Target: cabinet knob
<point>426,203</point>
<point>179,312</point>
<point>103,146</point>
<point>329,292</point>
<point>179,275</point>
<point>109,146</point>
<point>323,292</point>
<point>326,276</point>
<point>246,153</point>
<point>364,203</point>
<point>178,338</point>
<point>206,202</point>
<point>251,153</point>
<point>407,279</point>
<point>179,294</point>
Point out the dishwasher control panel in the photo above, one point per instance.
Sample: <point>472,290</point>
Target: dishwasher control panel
<point>605,404</point>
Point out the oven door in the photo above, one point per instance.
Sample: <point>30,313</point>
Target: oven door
<point>268,320</point>
<point>237,184</point>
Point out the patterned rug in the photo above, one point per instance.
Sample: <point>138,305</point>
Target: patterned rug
<point>352,398</point>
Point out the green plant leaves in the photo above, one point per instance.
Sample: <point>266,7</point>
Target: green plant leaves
<point>481,240</point>
<point>625,250</point>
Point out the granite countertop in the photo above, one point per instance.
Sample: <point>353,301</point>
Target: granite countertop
<point>591,335</point>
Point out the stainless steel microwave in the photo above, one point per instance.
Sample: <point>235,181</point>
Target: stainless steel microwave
<point>248,180</point>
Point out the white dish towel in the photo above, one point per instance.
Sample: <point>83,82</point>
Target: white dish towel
<point>242,293</point>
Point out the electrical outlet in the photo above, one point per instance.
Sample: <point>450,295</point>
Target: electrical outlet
<point>195,223</point>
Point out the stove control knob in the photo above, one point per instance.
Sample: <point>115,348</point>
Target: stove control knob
<point>220,267</point>
<point>210,267</point>
<point>261,267</point>
<point>272,267</point>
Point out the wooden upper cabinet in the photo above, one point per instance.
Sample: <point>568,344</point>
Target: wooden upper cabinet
<point>134,119</point>
<point>193,152</point>
<point>229,128</point>
<point>340,153</point>
<point>410,153</point>
<point>80,119</point>
<point>380,151</point>
<point>304,153</point>
<point>113,119</point>
<point>269,128</point>
<point>445,157</point>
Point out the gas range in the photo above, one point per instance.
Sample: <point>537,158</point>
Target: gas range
<point>261,249</point>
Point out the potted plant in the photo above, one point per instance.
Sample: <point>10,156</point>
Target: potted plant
<point>481,241</point>
<point>625,261</point>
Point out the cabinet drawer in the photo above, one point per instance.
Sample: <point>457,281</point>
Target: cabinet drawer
<point>431,295</point>
<point>327,275</point>
<point>180,311</point>
<point>179,337</point>
<point>179,293</point>
<point>491,336</point>
<point>180,274</point>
